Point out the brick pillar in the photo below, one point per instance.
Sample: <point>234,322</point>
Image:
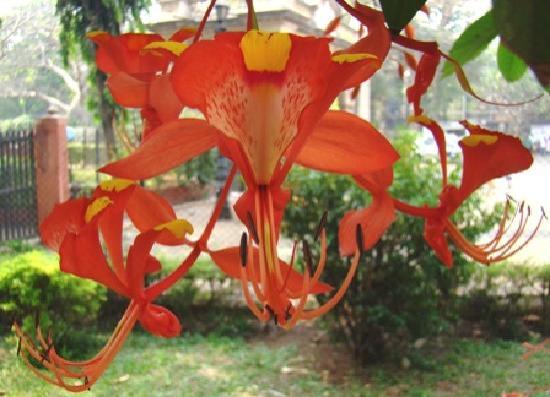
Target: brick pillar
<point>52,165</point>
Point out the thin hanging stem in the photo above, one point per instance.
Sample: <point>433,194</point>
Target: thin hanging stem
<point>158,288</point>
<point>424,212</point>
<point>252,20</point>
<point>203,22</point>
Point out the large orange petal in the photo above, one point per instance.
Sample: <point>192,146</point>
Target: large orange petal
<point>128,91</point>
<point>346,144</point>
<point>163,99</point>
<point>82,256</point>
<point>138,260</point>
<point>110,224</point>
<point>485,161</point>
<point>170,145</point>
<point>67,217</point>
<point>229,262</point>
<point>160,321</point>
<point>376,43</point>
<point>198,71</point>
<point>147,209</point>
<point>374,221</point>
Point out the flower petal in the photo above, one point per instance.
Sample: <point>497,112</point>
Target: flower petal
<point>346,144</point>
<point>170,145</point>
<point>160,321</point>
<point>487,158</point>
<point>163,99</point>
<point>147,209</point>
<point>374,221</point>
<point>128,91</point>
<point>67,217</point>
<point>82,256</point>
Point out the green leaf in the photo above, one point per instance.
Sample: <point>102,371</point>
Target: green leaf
<point>475,38</point>
<point>523,26</point>
<point>510,65</point>
<point>399,13</point>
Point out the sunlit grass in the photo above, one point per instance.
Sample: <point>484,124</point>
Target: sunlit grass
<point>218,366</point>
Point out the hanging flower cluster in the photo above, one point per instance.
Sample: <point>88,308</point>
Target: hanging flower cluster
<point>265,98</point>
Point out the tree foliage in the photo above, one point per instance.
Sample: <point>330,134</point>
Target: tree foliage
<point>77,17</point>
<point>32,76</point>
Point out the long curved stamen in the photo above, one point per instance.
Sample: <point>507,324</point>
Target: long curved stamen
<point>297,315</point>
<point>504,226</point>
<point>89,370</point>
<point>261,255</point>
<point>290,267</point>
<point>249,301</point>
<point>343,288</point>
<point>311,314</point>
<point>273,241</point>
<point>255,281</point>
<point>320,266</point>
<point>496,251</point>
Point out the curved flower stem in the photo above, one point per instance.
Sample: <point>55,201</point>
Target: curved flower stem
<point>203,21</point>
<point>344,4</point>
<point>158,288</point>
<point>252,20</point>
<point>423,212</point>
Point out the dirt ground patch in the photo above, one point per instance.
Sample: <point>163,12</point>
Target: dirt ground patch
<point>317,352</point>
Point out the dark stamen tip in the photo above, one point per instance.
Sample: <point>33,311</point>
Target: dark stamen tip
<point>322,225</point>
<point>19,347</point>
<point>306,252</point>
<point>271,313</point>
<point>359,238</point>
<point>252,227</point>
<point>509,197</point>
<point>521,206</point>
<point>243,249</point>
<point>543,212</point>
<point>528,210</point>
<point>287,312</point>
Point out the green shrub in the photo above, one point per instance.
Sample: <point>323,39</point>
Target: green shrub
<point>401,291</point>
<point>31,284</point>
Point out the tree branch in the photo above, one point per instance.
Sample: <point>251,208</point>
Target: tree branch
<point>35,94</point>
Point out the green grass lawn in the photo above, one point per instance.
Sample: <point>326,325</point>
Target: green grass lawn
<point>218,366</point>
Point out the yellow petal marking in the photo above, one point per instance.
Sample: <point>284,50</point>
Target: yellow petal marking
<point>95,33</point>
<point>178,227</point>
<point>95,207</point>
<point>116,185</point>
<point>474,140</point>
<point>173,46</point>
<point>421,118</point>
<point>265,52</point>
<point>343,58</point>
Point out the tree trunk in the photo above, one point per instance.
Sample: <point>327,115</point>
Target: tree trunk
<point>107,113</point>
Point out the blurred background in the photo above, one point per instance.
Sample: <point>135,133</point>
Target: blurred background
<point>407,326</point>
